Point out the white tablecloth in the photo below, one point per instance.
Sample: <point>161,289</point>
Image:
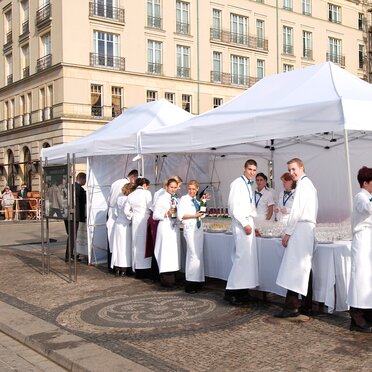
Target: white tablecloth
<point>331,267</point>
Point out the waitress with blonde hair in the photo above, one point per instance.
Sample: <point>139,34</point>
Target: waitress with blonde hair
<point>189,213</point>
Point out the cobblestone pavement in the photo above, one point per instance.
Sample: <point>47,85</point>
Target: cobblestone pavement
<point>14,356</point>
<point>166,330</point>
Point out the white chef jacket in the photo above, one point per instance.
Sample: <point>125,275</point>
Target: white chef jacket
<point>285,201</point>
<point>263,203</point>
<point>244,272</point>
<point>295,267</point>
<point>360,287</point>
<point>115,191</point>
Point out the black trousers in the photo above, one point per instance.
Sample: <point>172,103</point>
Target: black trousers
<point>70,238</point>
<point>293,302</point>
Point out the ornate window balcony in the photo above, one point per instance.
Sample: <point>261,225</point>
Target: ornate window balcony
<point>26,72</point>
<point>44,16</point>
<point>44,62</point>
<point>288,49</point>
<point>182,28</point>
<point>9,79</point>
<point>103,60</point>
<point>104,11</point>
<point>183,72</point>
<point>336,58</point>
<point>154,68</point>
<point>154,22</point>
<point>232,79</point>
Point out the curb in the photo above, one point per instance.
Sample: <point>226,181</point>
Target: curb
<point>69,351</point>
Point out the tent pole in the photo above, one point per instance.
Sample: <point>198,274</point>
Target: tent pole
<point>350,189</point>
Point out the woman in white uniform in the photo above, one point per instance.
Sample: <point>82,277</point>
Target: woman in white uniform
<point>138,206</point>
<point>286,198</point>
<point>121,258</point>
<point>264,200</point>
<point>360,288</point>
<point>167,247</point>
<point>189,213</point>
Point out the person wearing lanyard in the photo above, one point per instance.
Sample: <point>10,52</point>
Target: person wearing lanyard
<point>286,197</point>
<point>189,213</point>
<point>263,198</point>
<point>359,296</point>
<point>244,271</point>
<point>298,241</point>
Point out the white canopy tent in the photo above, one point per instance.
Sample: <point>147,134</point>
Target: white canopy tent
<point>305,113</point>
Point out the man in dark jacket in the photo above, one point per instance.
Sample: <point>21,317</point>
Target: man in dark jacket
<point>80,213</point>
<point>23,203</point>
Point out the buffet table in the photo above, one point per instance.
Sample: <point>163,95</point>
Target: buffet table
<point>331,266</point>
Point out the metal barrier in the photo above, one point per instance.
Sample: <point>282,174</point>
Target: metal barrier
<point>33,211</point>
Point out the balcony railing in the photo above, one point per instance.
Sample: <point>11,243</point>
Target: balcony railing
<point>116,63</point>
<point>183,72</point>
<point>44,62</point>
<point>307,54</point>
<point>97,111</point>
<point>110,12</point>
<point>26,72</point>
<point>154,68</point>
<point>25,27</point>
<point>183,28</point>
<point>288,49</point>
<point>8,40</point>
<point>243,40</point>
<point>232,79</point>
<point>9,79</point>
<point>336,58</point>
<point>154,22</point>
<point>43,15</point>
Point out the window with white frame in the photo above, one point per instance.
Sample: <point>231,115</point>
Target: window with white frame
<point>96,100</point>
<point>183,61</point>
<point>8,27</point>
<point>287,67</point>
<point>106,48</point>
<point>217,102</point>
<point>287,40</point>
<point>22,109</point>
<point>42,104</point>
<point>360,21</point>
<point>239,29</point>
<point>186,102</point>
<point>182,17</point>
<point>307,45</point>
<point>260,69</point>
<point>306,7</point>
<point>239,70</point>
<point>28,109</point>
<point>217,67</point>
<point>46,46</point>
<point>154,57</point>
<point>49,103</point>
<point>116,101</point>
<point>154,14</point>
<point>287,4</point>
<point>106,8</point>
<point>9,68</point>
<point>25,16</point>
<point>151,95</point>
<point>25,60</point>
<point>335,50</point>
<point>334,13</point>
<point>6,115</point>
<point>260,32</point>
<point>170,97</point>
<point>216,24</point>
<point>361,56</point>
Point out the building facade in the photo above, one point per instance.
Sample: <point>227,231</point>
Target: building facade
<point>68,67</point>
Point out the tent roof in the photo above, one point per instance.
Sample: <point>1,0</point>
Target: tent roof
<point>122,134</point>
<point>316,99</point>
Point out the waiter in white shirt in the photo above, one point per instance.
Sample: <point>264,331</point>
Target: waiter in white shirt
<point>244,272</point>
<point>115,191</point>
<point>263,199</point>
<point>298,241</point>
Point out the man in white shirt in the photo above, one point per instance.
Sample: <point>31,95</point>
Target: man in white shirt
<point>244,272</point>
<point>298,241</point>
<point>111,204</point>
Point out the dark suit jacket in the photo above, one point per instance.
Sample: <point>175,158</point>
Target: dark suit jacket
<point>80,203</point>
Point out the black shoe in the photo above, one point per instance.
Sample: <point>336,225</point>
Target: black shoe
<point>287,313</point>
<point>117,272</point>
<point>122,274</point>
<point>365,328</point>
<point>306,311</point>
<point>248,299</point>
<point>191,290</point>
<point>233,300</point>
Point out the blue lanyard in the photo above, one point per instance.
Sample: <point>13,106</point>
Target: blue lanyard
<point>257,201</point>
<point>249,190</point>
<point>285,200</point>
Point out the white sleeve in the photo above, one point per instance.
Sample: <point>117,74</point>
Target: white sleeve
<point>161,207</point>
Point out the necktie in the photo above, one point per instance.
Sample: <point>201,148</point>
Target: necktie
<point>370,199</point>
<point>197,207</point>
<point>287,192</point>
<point>250,182</point>
<point>258,193</point>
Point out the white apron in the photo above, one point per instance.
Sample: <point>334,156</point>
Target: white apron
<point>111,217</point>
<point>295,268</point>
<point>244,272</point>
<point>167,245</point>
<point>122,238</point>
